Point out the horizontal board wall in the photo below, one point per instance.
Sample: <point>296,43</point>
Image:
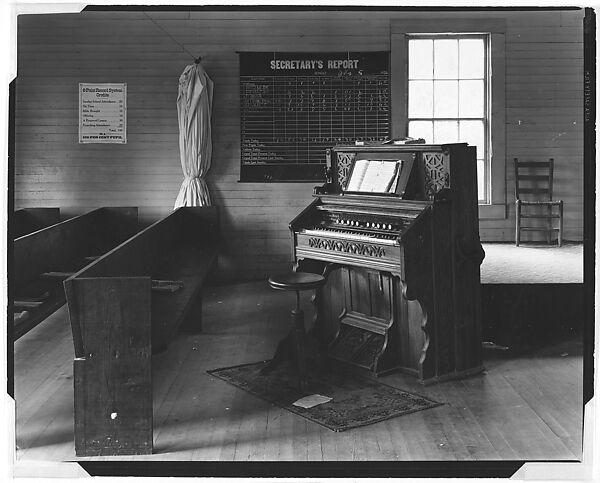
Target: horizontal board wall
<point>544,98</point>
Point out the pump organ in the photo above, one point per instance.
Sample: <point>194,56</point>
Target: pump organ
<point>402,268</point>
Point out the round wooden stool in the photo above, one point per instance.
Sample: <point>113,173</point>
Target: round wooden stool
<point>294,342</point>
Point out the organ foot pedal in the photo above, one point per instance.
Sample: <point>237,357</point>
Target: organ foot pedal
<point>358,347</point>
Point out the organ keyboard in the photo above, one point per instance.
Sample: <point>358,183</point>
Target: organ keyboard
<point>401,259</point>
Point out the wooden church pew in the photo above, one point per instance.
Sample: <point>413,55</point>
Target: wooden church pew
<point>44,258</point>
<point>123,307</point>
<point>28,220</point>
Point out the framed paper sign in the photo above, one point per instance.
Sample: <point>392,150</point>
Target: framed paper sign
<point>103,113</point>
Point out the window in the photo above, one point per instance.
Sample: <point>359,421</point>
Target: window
<point>448,95</point>
<point>493,31</point>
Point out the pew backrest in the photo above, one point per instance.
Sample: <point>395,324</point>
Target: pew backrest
<point>136,261</point>
<point>66,244</point>
<point>27,220</point>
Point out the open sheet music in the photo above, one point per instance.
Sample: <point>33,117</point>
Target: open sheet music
<point>374,176</point>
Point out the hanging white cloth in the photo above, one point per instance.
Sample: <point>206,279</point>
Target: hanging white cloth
<point>194,107</point>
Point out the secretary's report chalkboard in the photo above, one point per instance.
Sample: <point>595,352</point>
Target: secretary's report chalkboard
<point>296,105</point>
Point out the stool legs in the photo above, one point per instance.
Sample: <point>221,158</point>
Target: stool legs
<point>284,348</point>
<point>293,343</point>
<point>299,343</point>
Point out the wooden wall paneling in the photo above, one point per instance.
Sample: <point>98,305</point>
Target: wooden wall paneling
<point>544,112</point>
<point>55,52</point>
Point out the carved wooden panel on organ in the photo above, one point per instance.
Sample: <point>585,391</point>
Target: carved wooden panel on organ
<point>437,175</point>
<point>344,166</point>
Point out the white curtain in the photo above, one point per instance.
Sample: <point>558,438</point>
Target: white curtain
<point>194,107</point>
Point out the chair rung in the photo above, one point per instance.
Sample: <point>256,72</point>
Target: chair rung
<point>533,164</point>
<point>542,203</point>
<point>540,216</point>
<point>531,228</point>
<point>533,177</point>
<point>532,191</point>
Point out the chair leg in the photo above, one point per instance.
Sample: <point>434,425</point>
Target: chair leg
<point>560,223</point>
<point>517,223</point>
<point>550,225</point>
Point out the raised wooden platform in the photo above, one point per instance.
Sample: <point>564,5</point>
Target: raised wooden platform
<point>529,263</point>
<point>531,295</point>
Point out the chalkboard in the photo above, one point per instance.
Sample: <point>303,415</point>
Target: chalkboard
<point>296,105</point>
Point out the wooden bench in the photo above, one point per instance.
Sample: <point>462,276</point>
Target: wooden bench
<point>28,220</point>
<point>44,258</point>
<point>123,307</point>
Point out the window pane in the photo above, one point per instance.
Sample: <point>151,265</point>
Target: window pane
<point>420,59</point>
<point>481,179</point>
<point>445,57</point>
<point>445,132</point>
<point>471,58</point>
<point>445,95</point>
<point>472,132</point>
<point>420,99</point>
<point>470,94</point>
<point>421,129</point>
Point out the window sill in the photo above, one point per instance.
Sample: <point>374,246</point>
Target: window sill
<point>492,212</point>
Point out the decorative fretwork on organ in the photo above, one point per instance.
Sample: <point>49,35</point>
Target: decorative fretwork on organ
<point>399,246</point>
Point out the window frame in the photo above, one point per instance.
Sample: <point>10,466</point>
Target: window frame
<point>485,118</point>
<point>495,28</point>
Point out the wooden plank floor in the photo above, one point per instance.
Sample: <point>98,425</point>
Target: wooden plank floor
<point>526,408</point>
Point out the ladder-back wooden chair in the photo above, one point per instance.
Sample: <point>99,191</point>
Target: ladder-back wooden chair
<point>533,188</point>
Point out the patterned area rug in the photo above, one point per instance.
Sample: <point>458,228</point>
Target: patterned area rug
<point>357,401</point>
